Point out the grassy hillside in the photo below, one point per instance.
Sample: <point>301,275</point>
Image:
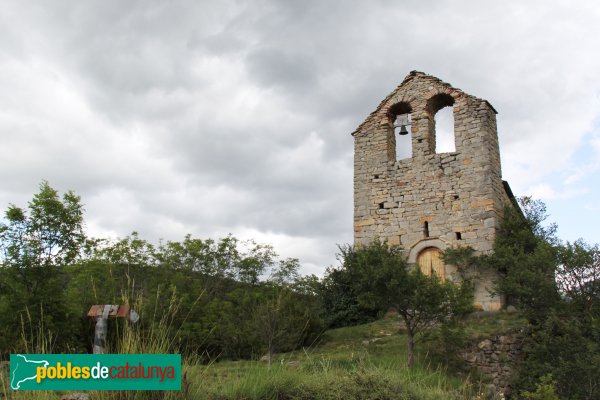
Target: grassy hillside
<point>361,362</point>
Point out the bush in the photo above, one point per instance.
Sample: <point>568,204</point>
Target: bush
<point>544,390</point>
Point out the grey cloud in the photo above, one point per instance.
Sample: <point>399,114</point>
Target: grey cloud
<point>274,67</point>
<point>205,117</point>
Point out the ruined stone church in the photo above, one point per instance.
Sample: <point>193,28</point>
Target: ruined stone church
<point>424,200</point>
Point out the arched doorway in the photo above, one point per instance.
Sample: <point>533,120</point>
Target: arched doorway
<point>430,262</point>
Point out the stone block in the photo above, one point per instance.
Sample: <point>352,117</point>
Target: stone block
<point>489,222</point>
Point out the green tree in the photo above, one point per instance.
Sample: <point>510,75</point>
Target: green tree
<point>50,274</point>
<point>284,315</point>
<point>52,234</point>
<point>556,286</point>
<point>35,246</point>
<point>578,277</point>
<point>526,256</point>
<point>386,281</point>
<point>275,321</point>
<point>338,294</point>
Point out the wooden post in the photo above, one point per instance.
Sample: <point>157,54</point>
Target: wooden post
<point>101,313</point>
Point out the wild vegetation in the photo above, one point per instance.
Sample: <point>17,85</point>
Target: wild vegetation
<point>556,286</point>
<point>225,304</point>
<point>239,299</point>
<point>382,280</point>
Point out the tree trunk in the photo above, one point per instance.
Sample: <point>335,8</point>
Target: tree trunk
<point>410,349</point>
<point>270,354</point>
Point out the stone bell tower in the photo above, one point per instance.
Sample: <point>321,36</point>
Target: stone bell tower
<point>430,201</point>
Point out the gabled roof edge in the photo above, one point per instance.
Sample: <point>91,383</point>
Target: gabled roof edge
<point>407,79</point>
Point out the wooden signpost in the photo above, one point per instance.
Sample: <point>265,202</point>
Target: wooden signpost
<point>102,313</point>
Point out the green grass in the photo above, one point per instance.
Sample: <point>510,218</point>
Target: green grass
<point>157,338</point>
<point>361,362</point>
<point>481,325</point>
<point>323,378</point>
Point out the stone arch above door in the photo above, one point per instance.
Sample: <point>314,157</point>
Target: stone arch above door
<point>422,245</point>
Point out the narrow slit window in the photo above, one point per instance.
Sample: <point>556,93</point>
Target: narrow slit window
<point>381,206</point>
<point>426,229</point>
<point>458,236</point>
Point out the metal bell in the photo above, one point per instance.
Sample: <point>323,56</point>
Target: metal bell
<point>402,121</point>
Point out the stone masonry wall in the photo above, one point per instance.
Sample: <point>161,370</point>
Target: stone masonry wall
<point>496,357</point>
<point>460,194</point>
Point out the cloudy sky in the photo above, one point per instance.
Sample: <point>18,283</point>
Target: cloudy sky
<point>216,117</point>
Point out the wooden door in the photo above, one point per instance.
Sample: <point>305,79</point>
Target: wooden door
<point>430,261</point>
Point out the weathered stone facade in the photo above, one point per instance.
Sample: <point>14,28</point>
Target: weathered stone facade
<point>431,200</point>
